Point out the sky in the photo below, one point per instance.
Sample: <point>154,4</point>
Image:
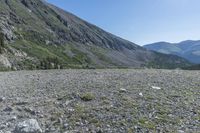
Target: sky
<point>140,21</point>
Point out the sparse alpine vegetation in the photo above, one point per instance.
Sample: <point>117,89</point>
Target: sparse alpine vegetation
<point>88,96</point>
<point>121,101</point>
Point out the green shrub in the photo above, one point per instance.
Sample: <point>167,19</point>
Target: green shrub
<point>87,96</point>
<point>1,42</point>
<point>50,63</point>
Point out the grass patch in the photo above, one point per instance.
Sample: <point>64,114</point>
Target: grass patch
<point>88,96</point>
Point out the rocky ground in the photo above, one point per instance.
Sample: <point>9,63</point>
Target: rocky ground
<point>100,101</point>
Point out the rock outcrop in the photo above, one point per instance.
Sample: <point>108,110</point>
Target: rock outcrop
<point>28,126</point>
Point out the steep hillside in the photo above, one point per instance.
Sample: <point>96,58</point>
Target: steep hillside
<point>38,35</point>
<point>189,50</point>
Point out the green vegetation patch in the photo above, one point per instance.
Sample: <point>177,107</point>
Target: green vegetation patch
<point>88,96</point>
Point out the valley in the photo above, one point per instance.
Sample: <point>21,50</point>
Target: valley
<point>62,74</point>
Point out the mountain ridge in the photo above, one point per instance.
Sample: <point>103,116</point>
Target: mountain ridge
<point>188,49</point>
<point>39,35</point>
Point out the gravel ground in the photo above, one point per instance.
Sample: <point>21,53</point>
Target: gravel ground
<point>102,101</point>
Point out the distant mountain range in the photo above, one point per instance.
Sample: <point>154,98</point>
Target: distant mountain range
<point>189,49</point>
<point>38,35</point>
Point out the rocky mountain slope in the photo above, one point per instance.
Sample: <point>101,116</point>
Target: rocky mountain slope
<point>189,50</point>
<point>38,35</point>
<point>100,101</point>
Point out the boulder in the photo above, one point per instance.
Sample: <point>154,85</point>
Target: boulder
<point>28,126</point>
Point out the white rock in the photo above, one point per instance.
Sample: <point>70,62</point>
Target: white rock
<point>13,118</point>
<point>47,42</point>
<point>5,131</point>
<point>155,87</point>
<point>70,109</point>
<point>122,90</point>
<point>28,126</point>
<point>181,131</point>
<point>2,99</point>
<point>29,10</point>
<point>4,61</point>
<point>141,94</point>
<point>68,102</point>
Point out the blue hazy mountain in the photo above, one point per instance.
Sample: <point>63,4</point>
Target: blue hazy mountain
<point>189,49</point>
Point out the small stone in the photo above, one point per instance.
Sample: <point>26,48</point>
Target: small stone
<point>67,103</point>
<point>66,125</point>
<point>122,90</point>
<point>70,110</point>
<point>41,116</point>
<point>28,126</point>
<point>2,99</point>
<point>181,131</point>
<point>8,109</point>
<point>30,110</point>
<point>2,126</point>
<point>13,118</point>
<point>108,126</point>
<point>99,130</point>
<point>60,121</point>
<point>155,87</point>
<point>141,94</point>
<point>21,103</point>
<point>7,131</point>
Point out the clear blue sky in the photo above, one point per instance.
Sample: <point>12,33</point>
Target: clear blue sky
<point>140,21</point>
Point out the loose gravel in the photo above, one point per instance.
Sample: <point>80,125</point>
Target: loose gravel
<point>101,101</point>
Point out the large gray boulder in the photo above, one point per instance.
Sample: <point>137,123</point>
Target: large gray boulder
<point>28,126</point>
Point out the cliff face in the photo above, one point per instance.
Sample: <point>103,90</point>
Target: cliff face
<point>40,35</point>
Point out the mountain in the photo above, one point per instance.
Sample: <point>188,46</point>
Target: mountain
<point>38,35</point>
<point>189,49</point>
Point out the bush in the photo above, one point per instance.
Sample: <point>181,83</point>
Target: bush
<point>50,63</point>
<point>1,42</point>
<point>87,96</point>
